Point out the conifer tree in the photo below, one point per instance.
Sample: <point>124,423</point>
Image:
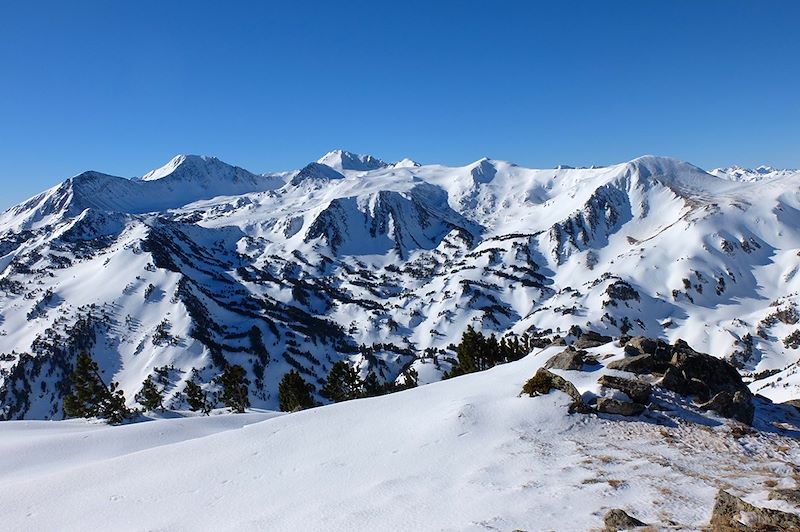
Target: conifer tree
<point>234,388</point>
<point>372,386</point>
<point>113,407</point>
<point>91,397</point>
<point>196,398</point>
<point>410,379</point>
<point>343,383</point>
<point>150,397</point>
<point>294,393</point>
<point>88,390</point>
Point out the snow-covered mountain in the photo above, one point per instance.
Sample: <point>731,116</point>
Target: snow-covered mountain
<point>737,173</point>
<point>385,265</point>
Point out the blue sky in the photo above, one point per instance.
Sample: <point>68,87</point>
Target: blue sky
<point>122,87</point>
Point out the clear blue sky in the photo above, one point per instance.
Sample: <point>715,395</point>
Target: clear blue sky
<point>121,87</point>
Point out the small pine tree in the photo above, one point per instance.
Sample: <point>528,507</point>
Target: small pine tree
<point>91,397</point>
<point>196,398</point>
<point>234,388</point>
<point>113,408</point>
<point>88,390</point>
<point>150,397</point>
<point>372,386</point>
<point>410,379</point>
<point>294,393</point>
<point>343,383</point>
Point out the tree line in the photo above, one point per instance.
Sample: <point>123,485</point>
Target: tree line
<point>91,397</point>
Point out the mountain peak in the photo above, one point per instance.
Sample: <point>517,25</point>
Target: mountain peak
<point>181,164</point>
<point>345,160</point>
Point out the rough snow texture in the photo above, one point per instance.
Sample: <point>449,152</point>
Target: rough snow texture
<point>200,263</point>
<point>463,454</point>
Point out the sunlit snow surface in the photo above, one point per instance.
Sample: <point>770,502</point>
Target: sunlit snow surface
<point>463,454</point>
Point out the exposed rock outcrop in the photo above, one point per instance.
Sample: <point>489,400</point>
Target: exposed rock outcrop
<point>544,381</point>
<point>616,519</point>
<point>732,513</point>
<point>569,359</point>
<point>638,391</point>
<point>591,339</point>
<point>621,408</point>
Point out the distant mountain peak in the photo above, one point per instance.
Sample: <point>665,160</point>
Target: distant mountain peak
<point>740,173</point>
<point>344,160</point>
<point>202,167</point>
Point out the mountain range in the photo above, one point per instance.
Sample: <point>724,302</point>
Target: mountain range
<point>384,264</point>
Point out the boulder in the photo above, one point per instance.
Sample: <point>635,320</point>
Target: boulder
<point>640,345</point>
<point>640,364</point>
<point>732,513</point>
<point>617,519</point>
<point>638,391</point>
<point>544,381</point>
<point>621,408</point>
<point>705,376</point>
<point>591,339</point>
<point>570,358</point>
<point>557,340</point>
<point>736,407</point>
<point>791,495</point>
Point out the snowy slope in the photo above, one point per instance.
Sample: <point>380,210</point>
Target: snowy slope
<point>463,454</point>
<point>200,263</point>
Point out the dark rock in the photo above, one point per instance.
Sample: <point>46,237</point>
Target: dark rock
<point>787,494</point>
<point>543,382</point>
<point>640,345</point>
<point>792,402</point>
<point>677,381</point>
<point>617,519</point>
<point>638,391</point>
<point>736,407</point>
<point>622,408</point>
<point>570,358</point>
<point>728,510</point>
<point>591,339</point>
<point>641,364</point>
<point>705,376</point>
<point>557,340</point>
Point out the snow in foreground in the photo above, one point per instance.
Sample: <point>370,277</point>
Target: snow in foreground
<point>464,454</point>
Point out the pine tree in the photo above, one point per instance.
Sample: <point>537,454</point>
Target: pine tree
<point>88,390</point>
<point>91,397</point>
<point>196,398</point>
<point>372,386</point>
<point>113,407</point>
<point>150,397</point>
<point>294,393</point>
<point>343,383</point>
<point>411,378</point>
<point>234,388</point>
<point>469,352</point>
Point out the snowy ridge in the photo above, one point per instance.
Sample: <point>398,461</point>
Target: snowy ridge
<point>200,263</point>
